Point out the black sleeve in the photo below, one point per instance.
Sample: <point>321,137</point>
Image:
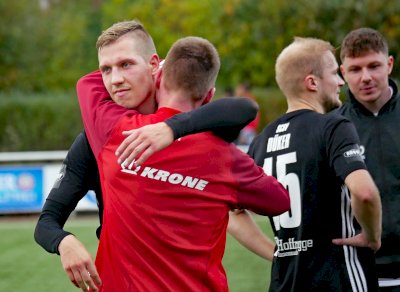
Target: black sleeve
<point>224,117</point>
<point>78,175</point>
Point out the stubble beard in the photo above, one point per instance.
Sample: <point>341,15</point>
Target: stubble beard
<point>330,105</point>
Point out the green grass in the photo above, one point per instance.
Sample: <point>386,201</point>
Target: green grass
<point>25,266</point>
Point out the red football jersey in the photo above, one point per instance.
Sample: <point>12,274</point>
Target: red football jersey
<point>164,223</point>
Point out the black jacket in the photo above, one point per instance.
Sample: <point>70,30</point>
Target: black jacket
<point>380,144</point>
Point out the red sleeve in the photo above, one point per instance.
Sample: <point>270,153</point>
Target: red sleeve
<point>258,192</point>
<point>99,112</point>
<point>254,123</point>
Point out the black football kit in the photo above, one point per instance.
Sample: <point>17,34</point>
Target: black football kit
<point>311,154</point>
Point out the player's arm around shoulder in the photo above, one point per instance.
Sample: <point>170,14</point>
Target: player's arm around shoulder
<point>366,205</point>
<point>90,90</point>
<point>99,112</point>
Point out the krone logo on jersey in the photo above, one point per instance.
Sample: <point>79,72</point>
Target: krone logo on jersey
<point>292,247</point>
<point>166,176</point>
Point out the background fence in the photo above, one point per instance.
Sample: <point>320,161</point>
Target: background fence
<point>26,179</point>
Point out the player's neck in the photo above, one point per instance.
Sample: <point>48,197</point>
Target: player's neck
<point>148,106</point>
<point>300,103</point>
<point>177,101</point>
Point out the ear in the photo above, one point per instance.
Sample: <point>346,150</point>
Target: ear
<point>158,78</point>
<point>209,96</point>
<point>311,83</point>
<point>154,63</point>
<point>390,64</point>
<point>342,71</point>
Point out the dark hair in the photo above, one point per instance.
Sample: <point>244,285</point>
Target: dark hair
<point>361,41</point>
<point>192,64</point>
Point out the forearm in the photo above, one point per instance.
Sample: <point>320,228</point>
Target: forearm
<point>366,203</point>
<point>49,229</point>
<point>369,215</point>
<point>59,205</point>
<point>246,231</point>
<point>78,175</point>
<point>224,117</point>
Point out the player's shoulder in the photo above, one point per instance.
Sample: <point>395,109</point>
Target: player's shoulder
<point>333,121</point>
<point>338,116</point>
<point>344,109</point>
<point>335,116</point>
<point>329,117</point>
<point>208,144</point>
<point>303,119</point>
<point>204,138</point>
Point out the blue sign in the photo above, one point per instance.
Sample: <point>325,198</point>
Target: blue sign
<point>21,189</point>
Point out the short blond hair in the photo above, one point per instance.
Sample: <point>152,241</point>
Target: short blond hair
<point>145,46</point>
<point>192,65</point>
<point>302,57</point>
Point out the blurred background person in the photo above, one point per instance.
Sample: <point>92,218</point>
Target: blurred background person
<point>228,92</point>
<point>248,133</point>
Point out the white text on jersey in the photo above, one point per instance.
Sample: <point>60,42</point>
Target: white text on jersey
<point>172,178</point>
<point>282,128</point>
<point>292,247</point>
<point>278,142</point>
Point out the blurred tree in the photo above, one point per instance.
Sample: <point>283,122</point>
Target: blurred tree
<point>167,20</point>
<point>43,46</point>
<point>12,15</point>
<point>48,44</point>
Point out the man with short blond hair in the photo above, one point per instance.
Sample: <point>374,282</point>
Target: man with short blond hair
<point>315,154</point>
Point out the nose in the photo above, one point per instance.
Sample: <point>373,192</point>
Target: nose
<point>340,81</point>
<point>116,77</point>
<point>366,76</point>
